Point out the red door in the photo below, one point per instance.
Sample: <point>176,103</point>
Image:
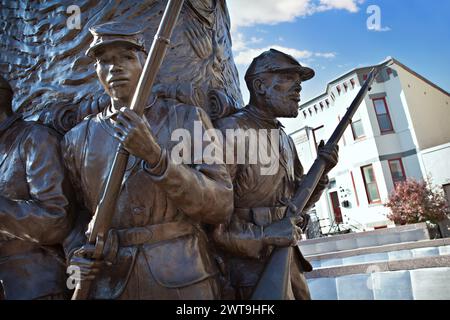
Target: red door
<point>336,207</point>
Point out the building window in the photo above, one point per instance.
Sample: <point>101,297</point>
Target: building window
<point>338,88</point>
<point>328,103</point>
<point>373,195</point>
<point>397,170</point>
<point>357,127</point>
<point>352,81</point>
<point>321,105</point>
<point>383,117</point>
<point>345,86</point>
<point>358,130</point>
<point>304,114</point>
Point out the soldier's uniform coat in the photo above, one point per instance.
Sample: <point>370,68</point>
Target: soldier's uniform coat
<point>260,199</point>
<point>35,214</point>
<point>173,201</point>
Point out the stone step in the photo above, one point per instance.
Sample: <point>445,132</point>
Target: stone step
<point>410,233</point>
<point>414,279</point>
<point>393,252</point>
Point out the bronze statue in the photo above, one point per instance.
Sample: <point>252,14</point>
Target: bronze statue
<point>157,248</point>
<point>261,200</point>
<point>35,214</point>
<point>63,87</point>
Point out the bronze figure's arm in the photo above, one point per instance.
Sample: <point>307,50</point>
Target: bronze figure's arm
<point>44,218</point>
<point>202,191</point>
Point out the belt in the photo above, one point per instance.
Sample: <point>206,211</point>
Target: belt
<point>154,233</point>
<point>262,216</point>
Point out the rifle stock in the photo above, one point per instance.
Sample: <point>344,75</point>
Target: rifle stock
<point>101,222</point>
<point>268,288</point>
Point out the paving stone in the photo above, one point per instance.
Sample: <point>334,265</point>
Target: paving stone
<point>389,239</point>
<point>325,247</point>
<point>354,260</point>
<point>308,249</point>
<point>367,241</point>
<point>425,252</point>
<point>392,285</point>
<point>354,287</point>
<point>331,263</point>
<point>414,235</point>
<point>323,288</point>
<point>315,263</point>
<point>444,250</point>
<point>346,244</point>
<point>400,255</point>
<point>376,257</point>
<point>431,284</point>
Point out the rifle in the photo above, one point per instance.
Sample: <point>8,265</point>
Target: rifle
<point>101,222</point>
<point>274,281</point>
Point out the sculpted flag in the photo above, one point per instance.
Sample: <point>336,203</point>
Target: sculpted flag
<point>43,45</point>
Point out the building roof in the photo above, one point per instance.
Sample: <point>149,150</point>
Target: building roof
<point>388,61</point>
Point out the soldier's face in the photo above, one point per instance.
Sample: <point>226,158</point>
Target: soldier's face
<point>283,93</point>
<point>119,69</point>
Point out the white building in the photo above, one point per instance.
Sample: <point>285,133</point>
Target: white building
<point>402,129</point>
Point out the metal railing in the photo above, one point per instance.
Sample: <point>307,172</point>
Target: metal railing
<point>319,228</point>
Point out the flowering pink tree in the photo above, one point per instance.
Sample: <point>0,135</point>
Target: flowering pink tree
<point>416,201</point>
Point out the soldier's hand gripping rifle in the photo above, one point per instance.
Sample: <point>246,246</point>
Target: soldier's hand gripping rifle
<point>274,281</point>
<point>101,222</point>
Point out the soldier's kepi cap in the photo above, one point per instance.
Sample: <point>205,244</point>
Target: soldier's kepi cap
<point>4,85</point>
<point>116,32</point>
<point>274,61</point>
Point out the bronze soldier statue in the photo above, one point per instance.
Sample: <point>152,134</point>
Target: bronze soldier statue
<point>157,248</point>
<point>35,215</point>
<point>260,199</point>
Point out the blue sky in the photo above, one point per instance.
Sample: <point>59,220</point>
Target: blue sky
<point>332,36</point>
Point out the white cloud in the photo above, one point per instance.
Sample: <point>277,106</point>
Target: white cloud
<point>252,12</point>
<point>327,55</point>
<point>245,56</point>
<point>240,42</point>
<point>349,5</point>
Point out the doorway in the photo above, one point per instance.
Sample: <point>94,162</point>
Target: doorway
<point>334,198</point>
